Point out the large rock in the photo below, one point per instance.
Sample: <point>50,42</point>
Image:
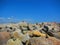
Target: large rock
<point>2,27</point>
<point>14,42</point>
<point>22,37</point>
<point>57,35</point>
<point>54,40</point>
<point>4,36</point>
<point>43,41</point>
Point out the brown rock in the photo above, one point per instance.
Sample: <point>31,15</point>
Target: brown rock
<point>4,36</point>
<point>43,41</point>
<point>54,40</point>
<point>39,41</point>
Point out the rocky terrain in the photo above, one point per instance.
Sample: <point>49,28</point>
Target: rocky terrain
<point>23,33</point>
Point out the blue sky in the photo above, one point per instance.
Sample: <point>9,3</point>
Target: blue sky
<point>31,10</point>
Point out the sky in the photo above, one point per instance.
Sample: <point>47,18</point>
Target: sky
<point>30,10</point>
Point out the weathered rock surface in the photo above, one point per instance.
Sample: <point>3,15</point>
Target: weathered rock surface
<point>4,36</point>
<point>43,41</point>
